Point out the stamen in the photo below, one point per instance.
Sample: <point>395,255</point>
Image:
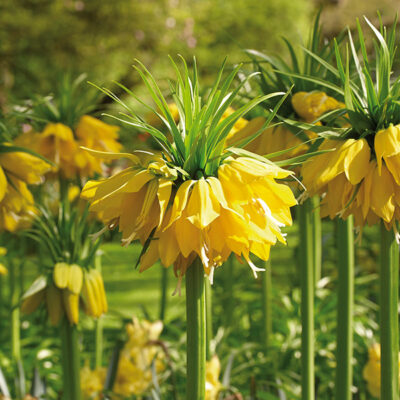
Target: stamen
<point>95,236</point>
<point>253,267</point>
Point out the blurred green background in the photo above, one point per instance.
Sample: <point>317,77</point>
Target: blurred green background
<point>42,39</point>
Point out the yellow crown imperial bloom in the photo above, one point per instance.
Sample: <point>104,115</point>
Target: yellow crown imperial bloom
<point>16,206</point>
<point>57,144</point>
<point>17,170</point>
<point>241,211</point>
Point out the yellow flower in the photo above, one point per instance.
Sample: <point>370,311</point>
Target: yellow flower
<point>372,370</point>
<point>16,206</point>
<point>140,351</point>
<point>135,198</point>
<point>92,382</point>
<point>213,385</point>
<point>387,146</point>
<point>3,269</point>
<point>63,294</point>
<point>17,169</point>
<point>241,211</point>
<point>96,135</point>
<point>59,144</point>
<point>353,183</point>
<point>310,106</point>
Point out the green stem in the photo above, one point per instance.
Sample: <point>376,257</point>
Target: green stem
<point>15,314</point>
<point>228,291</point>
<point>70,361</point>
<point>164,288</point>
<point>209,327</point>
<point>99,325</point>
<point>389,323</point>
<point>344,352</point>
<point>317,238</point>
<point>307,300</point>
<point>266,304</point>
<point>196,332</point>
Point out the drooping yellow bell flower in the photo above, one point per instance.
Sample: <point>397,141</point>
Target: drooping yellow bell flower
<point>135,199</point>
<point>17,170</point>
<point>16,207</point>
<point>352,182</point>
<point>239,212</point>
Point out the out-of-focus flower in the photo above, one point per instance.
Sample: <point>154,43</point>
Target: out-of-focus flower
<point>92,382</point>
<point>17,170</point>
<point>140,351</point>
<point>96,135</point>
<point>310,106</point>
<point>372,370</point>
<point>63,293</point>
<point>135,198</point>
<point>213,385</point>
<point>3,268</point>
<point>134,375</point>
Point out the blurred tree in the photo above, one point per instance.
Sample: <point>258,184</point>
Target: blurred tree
<point>40,39</point>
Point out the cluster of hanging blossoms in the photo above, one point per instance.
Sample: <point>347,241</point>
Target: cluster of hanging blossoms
<point>308,107</point>
<point>358,175</point>
<point>61,144</point>
<point>18,169</point>
<point>61,124</point>
<point>199,199</point>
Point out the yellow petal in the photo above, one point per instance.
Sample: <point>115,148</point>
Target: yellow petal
<point>3,184</point>
<point>382,193</point>
<point>387,143</point>
<point>180,201</point>
<point>357,160</point>
<point>201,210</point>
<point>164,195</point>
<point>75,279</point>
